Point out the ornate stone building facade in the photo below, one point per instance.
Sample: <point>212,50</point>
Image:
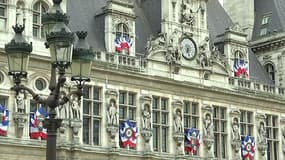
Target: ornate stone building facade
<point>167,66</point>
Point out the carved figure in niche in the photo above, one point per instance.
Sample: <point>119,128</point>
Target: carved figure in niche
<point>187,14</point>
<point>20,13</point>
<point>178,126</point>
<point>262,133</point>
<point>173,55</point>
<point>112,114</point>
<point>146,123</point>
<point>235,130</point>
<point>208,126</point>
<point>74,102</point>
<point>63,110</point>
<point>154,43</point>
<point>20,101</point>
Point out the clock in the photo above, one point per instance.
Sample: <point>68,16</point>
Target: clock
<point>188,48</point>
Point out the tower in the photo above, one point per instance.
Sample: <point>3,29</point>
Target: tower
<point>120,26</point>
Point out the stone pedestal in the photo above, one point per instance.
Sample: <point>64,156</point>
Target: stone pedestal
<point>20,120</point>
<point>62,138</point>
<point>113,131</point>
<point>146,134</point>
<point>179,139</point>
<point>208,143</point>
<point>75,124</point>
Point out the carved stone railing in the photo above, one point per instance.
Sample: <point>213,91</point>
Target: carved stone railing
<point>119,60</point>
<point>255,86</point>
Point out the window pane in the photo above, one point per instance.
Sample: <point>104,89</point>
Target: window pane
<point>155,117</point>
<point>96,108</point>
<point>132,113</point>
<point>163,104</point>
<point>131,99</point>
<point>3,101</point>
<point>194,108</point>
<point>86,92</point>
<point>164,140</point>
<point>96,130</point>
<point>155,103</point>
<point>35,18</point>
<point>186,107</point>
<point>155,138</point>
<point>122,112</point>
<point>2,11</point>
<point>164,118</point>
<point>122,98</point>
<point>96,94</point>
<point>86,105</point>
<point>86,128</point>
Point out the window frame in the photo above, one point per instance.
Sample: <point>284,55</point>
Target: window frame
<point>4,17</point>
<point>90,115</point>
<point>38,24</point>
<point>272,139</point>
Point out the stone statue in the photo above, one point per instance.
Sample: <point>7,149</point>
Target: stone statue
<point>262,134</point>
<point>112,115</point>
<point>154,43</point>
<point>75,106</point>
<point>203,58</point>
<point>62,111</point>
<point>208,126</point>
<point>187,14</point>
<point>146,121</point>
<point>173,55</point>
<point>235,130</point>
<point>20,101</point>
<point>178,126</point>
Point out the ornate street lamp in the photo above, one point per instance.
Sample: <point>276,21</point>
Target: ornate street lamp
<point>60,42</point>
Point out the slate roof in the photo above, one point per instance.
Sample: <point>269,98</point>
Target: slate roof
<point>218,20</point>
<point>275,8</point>
<point>82,17</point>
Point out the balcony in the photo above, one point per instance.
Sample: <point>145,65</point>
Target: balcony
<point>251,86</point>
<point>120,61</point>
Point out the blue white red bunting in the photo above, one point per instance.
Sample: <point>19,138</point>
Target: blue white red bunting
<point>248,148</point>
<point>36,124</point>
<point>241,68</point>
<point>123,43</point>
<point>4,120</point>
<point>128,134</point>
<point>192,141</point>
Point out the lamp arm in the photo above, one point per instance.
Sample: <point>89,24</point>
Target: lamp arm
<point>35,96</point>
<point>52,83</point>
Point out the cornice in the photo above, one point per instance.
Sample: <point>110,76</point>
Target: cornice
<point>268,44</point>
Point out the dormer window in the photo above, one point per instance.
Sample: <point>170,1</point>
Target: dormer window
<point>269,67</point>
<point>265,20</point>
<point>3,14</point>
<point>38,9</point>
<point>123,42</point>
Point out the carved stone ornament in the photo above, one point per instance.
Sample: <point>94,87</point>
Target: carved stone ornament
<point>146,134</point>
<point>75,124</point>
<point>218,58</point>
<point>112,113</point>
<point>261,133</point>
<point>236,145</point>
<point>20,120</point>
<point>236,28</point>
<point>178,128</point>
<point>113,131</point>
<point>118,19</point>
<point>208,134</point>
<point>62,132</point>
<point>187,14</point>
<point>156,43</point>
<point>173,54</point>
<point>203,58</point>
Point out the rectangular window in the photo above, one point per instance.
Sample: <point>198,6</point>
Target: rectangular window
<point>263,31</point>
<point>191,116</point>
<point>246,125</point>
<point>3,101</point>
<point>92,102</point>
<point>265,20</point>
<point>160,124</point>
<point>272,137</point>
<point>220,132</point>
<point>3,15</point>
<point>127,106</point>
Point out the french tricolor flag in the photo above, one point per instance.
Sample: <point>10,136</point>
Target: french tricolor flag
<point>128,134</point>
<point>123,43</point>
<point>4,120</point>
<point>36,124</point>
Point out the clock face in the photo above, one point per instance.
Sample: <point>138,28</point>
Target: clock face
<point>188,48</point>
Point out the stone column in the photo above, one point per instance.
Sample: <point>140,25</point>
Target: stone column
<point>178,129</point>
<point>112,117</point>
<point>20,120</point>
<point>235,134</point>
<point>146,132</point>
<point>208,132</point>
<point>261,140</point>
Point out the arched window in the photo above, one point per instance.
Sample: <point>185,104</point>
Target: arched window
<point>122,30</point>
<point>240,65</point>
<point>238,56</point>
<point>38,9</point>
<point>3,14</point>
<point>269,67</point>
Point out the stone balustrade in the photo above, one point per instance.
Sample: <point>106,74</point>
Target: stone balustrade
<point>241,83</point>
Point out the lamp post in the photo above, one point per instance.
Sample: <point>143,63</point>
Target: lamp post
<point>60,43</point>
